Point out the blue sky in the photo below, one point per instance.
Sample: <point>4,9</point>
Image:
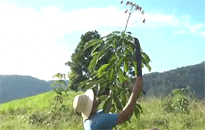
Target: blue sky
<point>38,36</point>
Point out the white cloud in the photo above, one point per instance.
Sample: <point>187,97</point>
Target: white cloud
<point>161,20</point>
<point>185,23</point>
<point>29,39</point>
<point>196,27</point>
<point>180,23</point>
<point>180,32</point>
<point>28,43</point>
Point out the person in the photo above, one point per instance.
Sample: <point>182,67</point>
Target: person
<point>87,105</point>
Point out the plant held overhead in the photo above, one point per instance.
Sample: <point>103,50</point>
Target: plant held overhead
<point>125,61</point>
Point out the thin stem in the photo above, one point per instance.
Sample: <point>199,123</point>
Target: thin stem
<point>129,17</point>
<point>127,21</point>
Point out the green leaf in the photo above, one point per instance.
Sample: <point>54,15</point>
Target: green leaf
<point>101,54</point>
<point>94,48</point>
<point>107,45</point>
<point>130,47</point>
<point>146,57</point>
<point>123,34</point>
<point>139,107</point>
<point>114,43</point>
<point>120,61</point>
<point>95,60</point>
<point>126,65</point>
<point>146,63</point>
<point>112,60</point>
<point>95,53</point>
<point>94,74</point>
<point>112,74</point>
<point>102,98</point>
<point>123,98</point>
<point>118,32</point>
<point>102,69</point>
<point>112,110</point>
<point>148,67</point>
<point>91,84</point>
<point>83,83</point>
<point>126,51</point>
<point>101,89</point>
<point>120,76</point>
<point>137,112</point>
<point>92,43</point>
<point>108,100</point>
<point>93,63</point>
<point>118,103</point>
<point>130,38</point>
<point>142,65</point>
<point>135,66</point>
<point>59,75</point>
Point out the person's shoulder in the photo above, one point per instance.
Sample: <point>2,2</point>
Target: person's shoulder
<point>105,120</point>
<point>101,112</point>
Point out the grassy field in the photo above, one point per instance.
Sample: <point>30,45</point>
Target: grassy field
<point>41,112</point>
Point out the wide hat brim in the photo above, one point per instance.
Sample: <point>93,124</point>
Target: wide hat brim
<point>88,107</point>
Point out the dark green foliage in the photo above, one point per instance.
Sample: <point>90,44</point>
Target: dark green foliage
<point>161,84</point>
<point>180,100</point>
<point>81,58</point>
<point>107,101</point>
<point>60,86</point>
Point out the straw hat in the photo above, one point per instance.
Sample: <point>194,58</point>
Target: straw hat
<point>83,103</point>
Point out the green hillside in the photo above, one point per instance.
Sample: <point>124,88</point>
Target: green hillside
<point>21,86</point>
<point>36,112</point>
<point>156,83</point>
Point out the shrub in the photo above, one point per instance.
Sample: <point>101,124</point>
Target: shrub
<point>180,100</point>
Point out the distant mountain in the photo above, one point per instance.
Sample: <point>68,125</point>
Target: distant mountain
<point>18,86</point>
<point>162,83</point>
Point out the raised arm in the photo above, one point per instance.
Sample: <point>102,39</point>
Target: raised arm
<point>127,111</point>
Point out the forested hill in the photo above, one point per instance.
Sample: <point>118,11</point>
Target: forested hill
<point>18,86</point>
<point>162,83</point>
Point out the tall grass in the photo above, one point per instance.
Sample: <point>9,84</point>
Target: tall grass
<point>37,112</point>
<point>155,116</point>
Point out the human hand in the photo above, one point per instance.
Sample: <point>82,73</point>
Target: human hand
<point>139,81</point>
<point>138,87</point>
